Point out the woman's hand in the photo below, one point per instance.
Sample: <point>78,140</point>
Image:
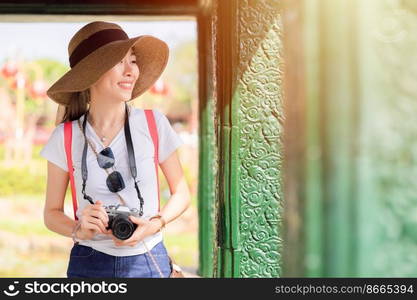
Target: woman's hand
<point>94,220</point>
<point>145,228</point>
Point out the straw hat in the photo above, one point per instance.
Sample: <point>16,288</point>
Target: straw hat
<point>96,48</point>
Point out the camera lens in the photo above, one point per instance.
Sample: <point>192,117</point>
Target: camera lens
<point>123,228</point>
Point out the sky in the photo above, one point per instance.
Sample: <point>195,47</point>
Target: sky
<point>34,40</point>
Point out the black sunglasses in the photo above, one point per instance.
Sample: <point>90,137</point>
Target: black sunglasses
<point>106,160</point>
<point>114,181</point>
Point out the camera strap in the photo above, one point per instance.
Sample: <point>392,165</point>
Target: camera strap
<point>131,156</point>
<point>84,170</point>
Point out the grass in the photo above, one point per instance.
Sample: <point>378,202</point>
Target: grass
<point>23,228</point>
<point>181,247</point>
<point>18,264</point>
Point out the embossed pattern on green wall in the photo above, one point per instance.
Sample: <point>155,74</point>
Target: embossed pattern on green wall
<point>257,115</point>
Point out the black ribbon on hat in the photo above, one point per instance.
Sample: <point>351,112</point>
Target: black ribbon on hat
<point>95,41</point>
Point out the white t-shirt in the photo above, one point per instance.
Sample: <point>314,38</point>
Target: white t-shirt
<point>96,187</point>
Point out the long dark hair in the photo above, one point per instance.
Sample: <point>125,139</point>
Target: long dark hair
<point>78,105</point>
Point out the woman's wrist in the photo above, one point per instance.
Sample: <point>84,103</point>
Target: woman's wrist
<point>80,234</point>
<point>75,232</point>
<point>159,220</point>
<point>156,225</point>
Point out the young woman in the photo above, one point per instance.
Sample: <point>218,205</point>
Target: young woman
<point>108,69</point>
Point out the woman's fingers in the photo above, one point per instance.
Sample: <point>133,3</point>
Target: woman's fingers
<point>88,219</point>
<point>100,206</point>
<point>91,226</point>
<point>103,213</point>
<point>97,222</point>
<point>100,215</point>
<point>95,217</point>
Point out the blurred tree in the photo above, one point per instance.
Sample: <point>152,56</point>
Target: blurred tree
<point>183,76</point>
<point>26,90</point>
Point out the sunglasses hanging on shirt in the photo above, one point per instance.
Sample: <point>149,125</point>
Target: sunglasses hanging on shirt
<point>105,159</point>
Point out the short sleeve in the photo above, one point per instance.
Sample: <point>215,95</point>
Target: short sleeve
<point>54,150</point>
<point>168,139</point>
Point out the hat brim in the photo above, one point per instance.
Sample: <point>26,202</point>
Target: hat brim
<point>151,58</point>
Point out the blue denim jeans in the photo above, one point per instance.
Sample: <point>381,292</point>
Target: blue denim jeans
<point>86,262</point>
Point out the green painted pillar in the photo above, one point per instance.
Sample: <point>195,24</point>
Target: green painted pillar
<point>339,104</point>
<point>208,183</point>
<point>249,90</point>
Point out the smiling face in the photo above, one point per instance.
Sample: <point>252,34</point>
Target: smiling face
<point>117,83</point>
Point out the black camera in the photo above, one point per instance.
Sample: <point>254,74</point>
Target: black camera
<point>119,222</point>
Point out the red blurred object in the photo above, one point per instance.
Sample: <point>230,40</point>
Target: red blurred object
<point>9,69</point>
<point>19,81</point>
<point>38,89</point>
<point>159,88</point>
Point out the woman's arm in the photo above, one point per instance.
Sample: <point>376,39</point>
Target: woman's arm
<point>180,195</point>
<point>94,218</point>
<point>54,217</point>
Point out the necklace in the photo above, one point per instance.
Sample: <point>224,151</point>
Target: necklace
<point>102,137</point>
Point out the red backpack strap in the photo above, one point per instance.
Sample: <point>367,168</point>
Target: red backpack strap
<point>154,134</point>
<point>68,142</point>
